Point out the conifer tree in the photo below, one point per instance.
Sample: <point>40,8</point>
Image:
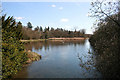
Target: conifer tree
<point>29,25</point>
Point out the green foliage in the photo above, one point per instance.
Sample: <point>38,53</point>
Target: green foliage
<point>18,30</point>
<point>13,55</point>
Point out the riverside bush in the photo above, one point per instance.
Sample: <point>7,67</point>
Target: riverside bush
<point>106,43</point>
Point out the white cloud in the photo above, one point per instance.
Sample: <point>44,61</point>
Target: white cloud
<point>60,8</point>
<point>53,5</point>
<point>64,20</point>
<point>19,18</point>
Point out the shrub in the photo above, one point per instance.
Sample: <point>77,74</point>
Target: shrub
<point>106,42</point>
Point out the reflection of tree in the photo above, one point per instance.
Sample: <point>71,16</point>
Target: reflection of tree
<point>89,64</point>
<point>46,44</point>
<point>86,64</point>
<point>22,74</point>
<point>30,45</point>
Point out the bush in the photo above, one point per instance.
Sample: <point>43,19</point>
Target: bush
<point>106,42</point>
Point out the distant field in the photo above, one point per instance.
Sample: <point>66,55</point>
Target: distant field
<point>75,38</point>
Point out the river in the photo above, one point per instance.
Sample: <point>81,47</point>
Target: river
<point>61,59</point>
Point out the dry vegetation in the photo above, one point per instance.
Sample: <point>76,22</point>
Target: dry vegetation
<point>32,56</point>
<point>39,33</point>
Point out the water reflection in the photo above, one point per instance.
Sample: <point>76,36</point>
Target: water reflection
<point>46,44</point>
<point>22,74</point>
<point>62,59</point>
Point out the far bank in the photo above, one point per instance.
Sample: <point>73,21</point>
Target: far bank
<point>55,39</point>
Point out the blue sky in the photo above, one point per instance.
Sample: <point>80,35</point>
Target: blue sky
<point>66,15</point>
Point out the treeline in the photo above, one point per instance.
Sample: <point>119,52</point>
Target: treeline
<point>47,32</point>
<point>13,55</point>
<point>106,42</point>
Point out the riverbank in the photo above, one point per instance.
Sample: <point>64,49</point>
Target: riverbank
<point>32,56</point>
<point>33,40</point>
<point>55,39</point>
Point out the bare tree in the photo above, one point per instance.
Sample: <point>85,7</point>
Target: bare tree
<point>102,9</point>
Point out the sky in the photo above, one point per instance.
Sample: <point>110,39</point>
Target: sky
<point>66,15</point>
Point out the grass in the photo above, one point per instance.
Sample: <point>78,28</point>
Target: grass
<point>32,56</point>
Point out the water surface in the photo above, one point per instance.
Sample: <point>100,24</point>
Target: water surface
<point>61,59</point>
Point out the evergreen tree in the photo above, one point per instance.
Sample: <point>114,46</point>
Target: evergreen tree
<point>29,25</point>
<point>45,30</point>
<point>48,28</point>
<point>37,28</point>
<point>52,29</point>
<point>13,55</point>
<point>41,28</point>
<point>46,33</point>
<point>19,31</point>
